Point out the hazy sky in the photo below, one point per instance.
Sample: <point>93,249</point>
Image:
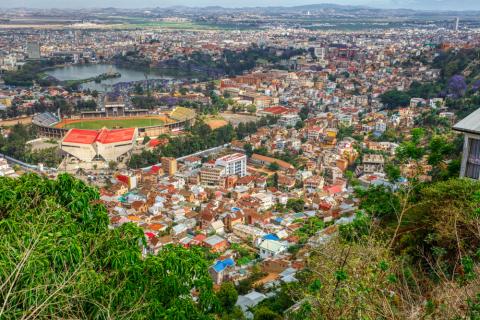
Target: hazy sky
<point>411,4</point>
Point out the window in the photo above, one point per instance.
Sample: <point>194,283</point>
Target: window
<point>473,160</point>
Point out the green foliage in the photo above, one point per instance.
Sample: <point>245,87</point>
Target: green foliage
<point>264,313</point>
<point>146,139</point>
<point>393,172</point>
<point>274,166</point>
<point>227,296</point>
<point>409,150</point>
<point>281,301</point>
<point>304,112</point>
<point>309,228</point>
<point>393,99</point>
<point>345,132</point>
<point>201,137</point>
<point>296,205</point>
<point>378,201</point>
<point>252,108</point>
<point>15,146</point>
<point>442,223</point>
<point>30,73</point>
<point>59,259</point>
<point>245,285</point>
<point>358,229</point>
<point>439,148</point>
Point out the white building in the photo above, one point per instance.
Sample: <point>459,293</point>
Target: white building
<point>103,145</point>
<point>235,164</point>
<point>271,248</point>
<point>288,120</point>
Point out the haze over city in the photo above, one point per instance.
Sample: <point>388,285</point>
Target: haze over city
<point>407,4</point>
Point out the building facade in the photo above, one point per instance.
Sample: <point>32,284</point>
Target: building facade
<point>235,164</point>
<point>470,127</point>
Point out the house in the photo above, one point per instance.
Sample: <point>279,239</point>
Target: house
<point>215,243</point>
<point>265,161</point>
<point>247,232</point>
<point>470,127</point>
<point>217,227</point>
<point>373,163</point>
<point>271,248</point>
<point>248,301</point>
<point>218,271</point>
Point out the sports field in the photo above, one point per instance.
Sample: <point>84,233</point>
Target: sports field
<point>113,123</point>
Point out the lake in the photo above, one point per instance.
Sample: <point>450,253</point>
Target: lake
<point>85,71</point>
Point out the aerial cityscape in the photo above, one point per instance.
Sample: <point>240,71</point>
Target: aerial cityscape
<point>207,160</point>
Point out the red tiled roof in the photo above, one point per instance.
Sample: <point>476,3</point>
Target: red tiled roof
<point>81,136</point>
<point>333,189</point>
<point>276,110</point>
<point>111,136</point>
<point>103,136</point>
<point>153,143</point>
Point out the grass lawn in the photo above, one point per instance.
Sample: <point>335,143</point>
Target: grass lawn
<point>118,123</point>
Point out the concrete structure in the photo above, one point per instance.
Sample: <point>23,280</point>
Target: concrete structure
<point>373,163</point>
<point>5,169</point>
<point>33,50</point>
<point>289,120</point>
<point>212,175</point>
<point>470,127</point>
<point>265,161</point>
<point>271,248</point>
<point>103,145</point>
<point>169,165</point>
<point>235,164</point>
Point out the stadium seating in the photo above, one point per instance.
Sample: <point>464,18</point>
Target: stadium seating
<point>182,114</point>
<point>46,119</point>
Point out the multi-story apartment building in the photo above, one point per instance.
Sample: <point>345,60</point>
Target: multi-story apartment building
<point>169,165</point>
<point>212,175</point>
<point>235,164</point>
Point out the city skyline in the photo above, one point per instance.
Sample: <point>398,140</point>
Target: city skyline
<point>385,4</point>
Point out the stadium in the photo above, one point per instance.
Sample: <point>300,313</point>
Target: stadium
<point>50,125</point>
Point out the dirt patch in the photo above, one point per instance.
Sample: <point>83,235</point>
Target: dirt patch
<point>215,124</point>
<point>12,122</point>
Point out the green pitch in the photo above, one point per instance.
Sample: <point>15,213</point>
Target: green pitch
<point>117,123</point>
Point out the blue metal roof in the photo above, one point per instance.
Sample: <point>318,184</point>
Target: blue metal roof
<point>271,237</point>
<point>219,266</point>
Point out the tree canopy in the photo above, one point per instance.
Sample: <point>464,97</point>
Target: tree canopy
<point>59,259</point>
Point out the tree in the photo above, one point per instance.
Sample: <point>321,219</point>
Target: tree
<point>296,205</point>
<point>357,230</point>
<point>274,166</point>
<point>299,125</point>
<point>457,86</point>
<point>378,201</point>
<point>183,91</point>
<point>393,172</point>
<point>248,149</point>
<point>112,165</point>
<point>275,180</point>
<point>393,99</point>
<point>227,295</point>
<point>263,313</point>
<point>138,89</point>
<point>60,259</point>
<point>252,108</point>
<point>304,112</point>
<point>146,139</point>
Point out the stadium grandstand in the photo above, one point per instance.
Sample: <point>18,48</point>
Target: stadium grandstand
<point>46,119</point>
<point>98,145</point>
<point>182,114</point>
<point>51,126</point>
